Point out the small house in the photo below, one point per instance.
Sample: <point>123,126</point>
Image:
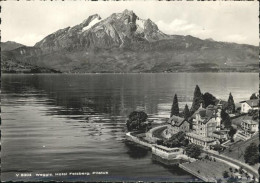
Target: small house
<point>220,135</point>
<point>249,126</point>
<point>177,124</point>
<point>247,105</point>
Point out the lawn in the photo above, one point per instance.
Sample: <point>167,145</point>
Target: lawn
<point>237,150</point>
<point>210,169</point>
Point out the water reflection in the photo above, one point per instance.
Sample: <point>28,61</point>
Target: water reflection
<point>136,152</point>
<point>55,123</point>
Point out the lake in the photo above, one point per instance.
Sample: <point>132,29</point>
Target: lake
<point>76,122</point>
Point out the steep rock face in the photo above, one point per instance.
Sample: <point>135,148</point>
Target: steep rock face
<point>118,30</point>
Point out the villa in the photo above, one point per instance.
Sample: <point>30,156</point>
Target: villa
<point>205,129</point>
<point>205,124</point>
<point>247,105</point>
<point>249,126</point>
<point>206,121</point>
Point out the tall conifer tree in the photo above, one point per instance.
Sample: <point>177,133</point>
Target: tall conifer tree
<point>175,106</point>
<point>197,99</point>
<point>186,112</point>
<point>231,104</point>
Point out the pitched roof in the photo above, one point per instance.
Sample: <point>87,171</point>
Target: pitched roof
<point>251,103</point>
<point>176,121</point>
<point>206,114</point>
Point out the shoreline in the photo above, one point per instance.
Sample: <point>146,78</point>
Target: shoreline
<point>82,73</point>
<point>228,161</point>
<point>149,146</point>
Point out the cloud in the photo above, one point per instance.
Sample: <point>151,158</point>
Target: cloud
<point>176,26</point>
<point>238,38</point>
<point>183,27</point>
<point>28,39</point>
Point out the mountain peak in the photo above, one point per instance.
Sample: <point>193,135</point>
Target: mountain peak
<point>118,30</point>
<point>90,19</point>
<point>128,12</point>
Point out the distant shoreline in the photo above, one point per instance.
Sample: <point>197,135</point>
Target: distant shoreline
<point>65,73</point>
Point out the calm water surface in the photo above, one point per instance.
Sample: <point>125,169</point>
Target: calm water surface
<point>76,123</point>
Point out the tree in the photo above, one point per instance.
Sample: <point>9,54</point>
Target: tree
<point>193,150</point>
<point>176,140</point>
<point>136,121</point>
<point>231,108</point>
<point>175,106</point>
<point>232,132</point>
<point>238,110</point>
<point>253,96</point>
<point>225,174</point>
<point>254,114</point>
<point>225,119</point>
<point>217,147</point>
<point>240,170</point>
<point>197,98</point>
<point>186,112</point>
<point>251,155</point>
<point>208,99</point>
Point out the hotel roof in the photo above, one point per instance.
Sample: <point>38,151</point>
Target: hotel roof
<point>206,114</point>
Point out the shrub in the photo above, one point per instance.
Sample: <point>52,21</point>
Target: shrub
<point>193,150</point>
<point>159,142</point>
<point>177,140</point>
<point>240,170</point>
<point>217,147</point>
<point>225,174</point>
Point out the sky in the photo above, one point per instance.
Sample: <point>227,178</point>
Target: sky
<point>27,22</point>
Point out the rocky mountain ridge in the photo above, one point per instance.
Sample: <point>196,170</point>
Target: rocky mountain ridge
<point>10,45</point>
<point>123,42</point>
